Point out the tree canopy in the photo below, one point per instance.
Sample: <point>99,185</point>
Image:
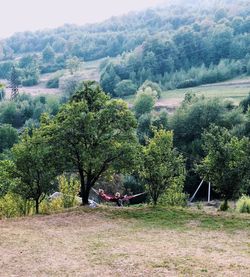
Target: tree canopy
<point>94,134</point>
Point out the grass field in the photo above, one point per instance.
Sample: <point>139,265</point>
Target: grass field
<point>234,90</point>
<point>126,242</point>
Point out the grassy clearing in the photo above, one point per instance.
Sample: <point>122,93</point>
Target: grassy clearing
<point>234,90</point>
<point>235,93</point>
<point>130,241</point>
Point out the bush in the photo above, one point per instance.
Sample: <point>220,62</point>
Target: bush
<point>125,88</point>
<point>30,81</point>
<point>69,189</point>
<point>248,68</point>
<point>174,195</point>
<point>48,206</point>
<point>187,84</point>
<point>13,205</point>
<point>154,87</point>
<point>243,204</point>
<point>53,83</point>
<point>224,206</point>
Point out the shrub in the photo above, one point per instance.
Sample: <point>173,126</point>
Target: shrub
<point>243,204</point>
<point>154,87</point>
<point>30,81</point>
<point>13,205</point>
<point>224,206</point>
<point>53,83</point>
<point>248,68</point>
<point>187,83</point>
<point>69,189</point>
<point>48,206</point>
<point>125,88</point>
<point>174,195</point>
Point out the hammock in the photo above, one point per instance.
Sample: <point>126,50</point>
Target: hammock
<point>112,198</point>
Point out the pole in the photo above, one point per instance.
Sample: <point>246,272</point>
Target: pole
<point>209,192</point>
<point>192,198</point>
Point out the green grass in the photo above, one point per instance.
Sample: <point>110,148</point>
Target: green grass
<point>235,93</point>
<point>180,218</point>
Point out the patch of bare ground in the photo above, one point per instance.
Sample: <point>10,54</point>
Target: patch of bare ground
<point>90,244</point>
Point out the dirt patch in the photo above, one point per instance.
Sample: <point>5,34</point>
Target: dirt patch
<point>89,244</point>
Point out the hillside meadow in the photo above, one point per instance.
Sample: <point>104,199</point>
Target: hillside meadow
<point>130,241</point>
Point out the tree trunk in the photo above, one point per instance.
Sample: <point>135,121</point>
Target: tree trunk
<point>37,206</point>
<point>85,188</point>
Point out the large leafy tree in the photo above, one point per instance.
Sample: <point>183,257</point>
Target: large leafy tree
<point>7,180</point>
<point>161,164</point>
<point>8,136</point>
<point>93,134</point>
<point>34,167</point>
<point>226,163</point>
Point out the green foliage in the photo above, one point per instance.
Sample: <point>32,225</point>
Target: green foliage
<point>2,92</point>
<point>226,163</point>
<point>5,69</point>
<point>8,136</point>
<point>224,206</point>
<point>69,85</point>
<point>48,54</point>
<point>53,83</point>
<point>155,88</point>
<point>161,164</point>
<point>7,180</point>
<point>49,206</point>
<point>69,188</point>
<point>34,166</point>
<point>245,103</point>
<point>73,64</point>
<point>13,205</point>
<point>25,108</point>
<point>144,103</point>
<point>174,195</point>
<point>125,88</point>
<point>93,134</point>
<point>243,204</point>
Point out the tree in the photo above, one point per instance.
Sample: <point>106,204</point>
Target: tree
<point>94,134</point>
<point>7,180</point>
<point>154,87</point>
<point>2,92</point>
<point>73,64</point>
<point>8,136</point>
<point>245,103</point>
<point>226,163</point>
<point>34,167</point>
<point>161,164</point>
<point>48,54</point>
<point>125,88</point>
<point>109,79</point>
<point>144,103</point>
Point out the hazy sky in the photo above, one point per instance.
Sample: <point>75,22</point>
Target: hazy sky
<point>23,15</point>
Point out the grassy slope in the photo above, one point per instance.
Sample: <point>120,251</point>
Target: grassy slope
<point>129,241</point>
<point>234,90</point>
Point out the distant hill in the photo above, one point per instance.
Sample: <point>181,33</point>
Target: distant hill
<point>161,44</point>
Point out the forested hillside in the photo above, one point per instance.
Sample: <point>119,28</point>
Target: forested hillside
<point>178,45</point>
